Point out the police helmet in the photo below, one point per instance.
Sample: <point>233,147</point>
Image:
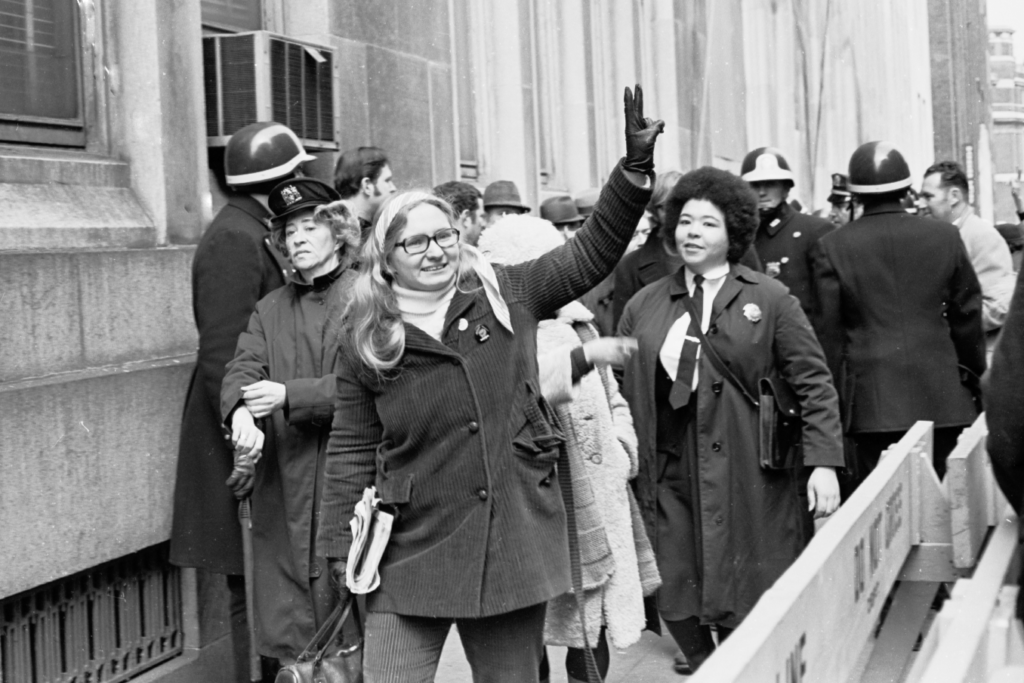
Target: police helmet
<point>262,152</point>
<point>766,163</point>
<point>878,167</point>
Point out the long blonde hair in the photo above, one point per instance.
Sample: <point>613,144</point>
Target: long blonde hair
<point>372,318</point>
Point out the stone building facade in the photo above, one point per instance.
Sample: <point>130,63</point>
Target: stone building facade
<point>106,186</point>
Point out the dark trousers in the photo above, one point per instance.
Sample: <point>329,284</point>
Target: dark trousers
<point>505,648</point>
<point>869,447</point>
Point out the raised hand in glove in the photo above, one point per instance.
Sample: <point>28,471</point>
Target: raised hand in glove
<point>641,134</point>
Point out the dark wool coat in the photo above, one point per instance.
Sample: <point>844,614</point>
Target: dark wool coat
<point>638,269</point>
<point>459,440</point>
<point>1004,397</point>
<point>289,341</point>
<point>234,267</point>
<point>785,251</point>
<point>898,310</point>
<point>750,521</point>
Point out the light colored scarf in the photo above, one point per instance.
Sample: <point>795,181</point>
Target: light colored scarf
<point>483,269</point>
<point>425,310</point>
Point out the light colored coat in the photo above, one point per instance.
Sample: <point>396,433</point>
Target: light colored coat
<point>618,562</point>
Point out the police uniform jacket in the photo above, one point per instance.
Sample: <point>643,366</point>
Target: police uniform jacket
<point>750,525</point>
<point>234,267</point>
<point>898,314</point>
<point>459,440</point>
<point>784,247</point>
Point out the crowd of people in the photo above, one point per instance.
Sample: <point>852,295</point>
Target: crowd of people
<point>563,411</point>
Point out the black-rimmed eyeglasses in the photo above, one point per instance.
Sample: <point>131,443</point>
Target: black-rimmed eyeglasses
<point>417,244</point>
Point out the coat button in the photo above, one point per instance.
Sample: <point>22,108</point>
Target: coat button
<point>716,446</point>
<point>474,427</point>
<point>716,387</point>
<point>719,520</point>
<point>314,570</point>
<point>482,493</point>
<point>546,481</point>
<point>713,329</point>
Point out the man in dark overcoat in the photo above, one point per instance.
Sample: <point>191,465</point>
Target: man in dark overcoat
<point>785,236</point>
<point>898,313</point>
<point>1004,395</point>
<point>235,266</point>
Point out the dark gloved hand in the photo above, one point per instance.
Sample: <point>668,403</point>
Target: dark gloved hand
<point>641,134</point>
<point>240,482</point>
<point>336,571</point>
<point>243,475</point>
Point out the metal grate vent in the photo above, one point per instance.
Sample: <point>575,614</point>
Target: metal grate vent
<point>107,624</point>
<point>301,89</point>
<point>260,76</point>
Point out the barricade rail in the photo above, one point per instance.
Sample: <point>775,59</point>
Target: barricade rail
<point>902,527</point>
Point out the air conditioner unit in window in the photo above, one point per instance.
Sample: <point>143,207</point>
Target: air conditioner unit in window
<point>262,76</point>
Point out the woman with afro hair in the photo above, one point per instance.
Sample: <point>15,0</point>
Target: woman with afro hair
<point>723,528</point>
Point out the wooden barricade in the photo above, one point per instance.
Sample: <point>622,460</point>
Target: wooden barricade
<point>817,622</point>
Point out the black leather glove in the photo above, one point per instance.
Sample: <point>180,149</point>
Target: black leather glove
<point>336,570</point>
<point>641,134</point>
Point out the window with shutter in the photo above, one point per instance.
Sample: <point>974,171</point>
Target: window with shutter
<point>40,72</point>
<point>240,15</point>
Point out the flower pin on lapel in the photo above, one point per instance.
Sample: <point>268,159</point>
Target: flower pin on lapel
<point>752,312</point>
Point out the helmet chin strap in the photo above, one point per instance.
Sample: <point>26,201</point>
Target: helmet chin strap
<point>768,215</point>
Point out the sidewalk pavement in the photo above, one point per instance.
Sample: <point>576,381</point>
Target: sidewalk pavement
<point>649,661</point>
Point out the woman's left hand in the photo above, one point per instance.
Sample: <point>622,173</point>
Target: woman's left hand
<point>263,397</point>
<point>823,492</point>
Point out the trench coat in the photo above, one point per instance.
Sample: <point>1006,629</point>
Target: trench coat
<point>898,312</point>
<point>750,525</point>
<point>290,340</point>
<point>460,441</point>
<point>234,267</point>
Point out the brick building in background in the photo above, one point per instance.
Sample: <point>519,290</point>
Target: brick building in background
<point>1007,82</point>
<point>114,111</point>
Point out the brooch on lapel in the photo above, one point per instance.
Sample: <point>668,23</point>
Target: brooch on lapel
<point>752,313</point>
<point>482,333</point>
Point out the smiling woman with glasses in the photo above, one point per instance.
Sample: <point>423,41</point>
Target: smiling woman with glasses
<point>439,407</point>
<point>417,244</point>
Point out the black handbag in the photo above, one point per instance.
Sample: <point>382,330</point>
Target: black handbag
<point>780,427</point>
<point>325,660</point>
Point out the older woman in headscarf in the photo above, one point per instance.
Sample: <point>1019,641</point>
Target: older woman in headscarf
<point>724,528</point>
<point>439,406</point>
<point>282,376</point>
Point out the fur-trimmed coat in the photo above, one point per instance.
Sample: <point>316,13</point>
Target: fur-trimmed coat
<point>619,568</point>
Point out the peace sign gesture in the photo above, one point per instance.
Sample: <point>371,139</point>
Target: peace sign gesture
<point>641,134</point>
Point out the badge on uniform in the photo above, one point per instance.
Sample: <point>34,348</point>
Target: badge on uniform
<point>772,269</point>
<point>482,333</point>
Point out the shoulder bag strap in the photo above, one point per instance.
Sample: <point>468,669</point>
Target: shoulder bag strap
<point>318,645</point>
<point>565,484</point>
<point>716,360</point>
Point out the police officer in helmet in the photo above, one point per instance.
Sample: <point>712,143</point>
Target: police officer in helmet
<point>898,314</point>
<point>234,266</point>
<point>784,236</point>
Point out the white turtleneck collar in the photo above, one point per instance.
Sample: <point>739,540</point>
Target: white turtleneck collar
<point>425,310</point>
